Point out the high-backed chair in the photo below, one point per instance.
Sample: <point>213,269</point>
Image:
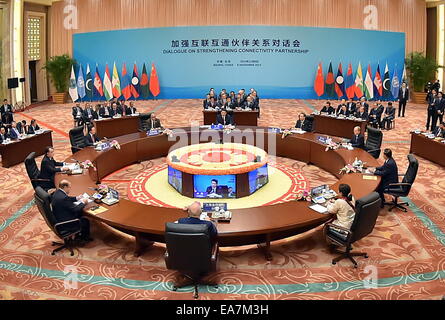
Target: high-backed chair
<point>143,118</point>
<point>367,210</point>
<point>374,142</point>
<point>34,173</point>
<point>77,139</point>
<point>310,119</point>
<point>191,252</point>
<point>43,202</point>
<point>402,189</point>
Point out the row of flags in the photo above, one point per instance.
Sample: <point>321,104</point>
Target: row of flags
<point>368,86</point>
<point>114,86</point>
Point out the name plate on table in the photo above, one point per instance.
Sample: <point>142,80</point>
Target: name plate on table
<point>275,130</point>
<point>153,132</point>
<point>216,127</point>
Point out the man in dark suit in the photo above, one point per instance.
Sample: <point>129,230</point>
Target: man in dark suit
<point>89,114</point>
<point>351,106</point>
<point>3,134</point>
<point>14,133</point>
<point>121,108</point>
<point>440,131</point>
<point>194,212</point>
<point>358,140</point>
<point>49,167</point>
<point>65,209</point>
<point>388,172</point>
<point>33,127</point>
<point>328,108</point>
<point>105,111</point>
<point>431,110</point>
<point>374,116</point>
<point>249,103</point>
<point>303,123</point>
<point>340,106</point>
<point>363,103</point>
<point>390,114</point>
<point>91,138</point>
<point>403,99</point>
<point>343,111</point>
<point>6,112</point>
<point>439,110</point>
<point>114,110</point>
<point>131,109</point>
<point>77,115</point>
<point>206,102</point>
<point>153,122</point>
<point>214,189</point>
<point>224,118</point>
<point>362,114</point>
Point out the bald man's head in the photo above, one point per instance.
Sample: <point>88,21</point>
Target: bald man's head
<point>195,209</point>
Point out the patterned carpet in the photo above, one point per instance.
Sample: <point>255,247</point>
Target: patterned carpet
<point>406,250</point>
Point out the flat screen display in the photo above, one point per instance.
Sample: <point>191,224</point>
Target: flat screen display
<point>258,178</point>
<point>214,187</point>
<point>175,179</point>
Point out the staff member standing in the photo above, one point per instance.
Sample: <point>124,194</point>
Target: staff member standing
<point>403,99</point>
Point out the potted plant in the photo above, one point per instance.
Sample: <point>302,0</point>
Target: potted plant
<point>421,69</point>
<point>59,70</point>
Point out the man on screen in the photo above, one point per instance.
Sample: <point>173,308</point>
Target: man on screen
<point>224,118</point>
<point>214,190</point>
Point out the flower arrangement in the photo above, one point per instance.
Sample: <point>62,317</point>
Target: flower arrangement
<point>168,132</point>
<point>356,166</point>
<point>115,145</point>
<point>285,133</point>
<point>304,196</point>
<point>332,146</point>
<point>102,189</point>
<point>88,164</point>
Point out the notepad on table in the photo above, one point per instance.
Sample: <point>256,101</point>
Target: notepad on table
<point>365,177</point>
<point>97,210</point>
<point>319,208</point>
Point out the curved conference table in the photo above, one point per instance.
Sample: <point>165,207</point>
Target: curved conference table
<point>259,225</point>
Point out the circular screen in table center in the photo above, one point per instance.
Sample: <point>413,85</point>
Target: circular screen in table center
<point>217,159</point>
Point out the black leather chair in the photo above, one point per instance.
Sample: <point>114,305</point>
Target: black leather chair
<point>190,251</point>
<point>43,202</point>
<point>33,172</point>
<point>374,142</point>
<point>402,189</point>
<point>310,119</point>
<point>143,118</point>
<point>77,139</point>
<point>367,210</point>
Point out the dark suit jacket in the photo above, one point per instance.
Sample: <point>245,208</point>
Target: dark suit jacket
<point>3,137</point>
<point>90,141</point>
<point>388,172</point>
<point>439,133</point>
<point>390,113</point>
<point>358,141</point>
<point>102,112</point>
<point>156,124</point>
<point>363,116</point>
<point>64,208</point>
<point>130,110</point>
<point>328,110</point>
<point>5,108</point>
<point>212,229</point>
<point>305,125</point>
<point>120,110</point>
<point>77,115</point>
<point>220,120</point>
<point>48,169</point>
<point>403,97</point>
<point>251,105</point>
<point>240,104</point>
<point>32,130</point>
<point>12,134</point>
<point>344,113</point>
<point>219,190</point>
<point>93,113</point>
<point>351,107</point>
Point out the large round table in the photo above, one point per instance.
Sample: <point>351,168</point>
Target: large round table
<point>259,225</point>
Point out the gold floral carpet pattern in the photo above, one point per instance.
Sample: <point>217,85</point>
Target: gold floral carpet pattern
<point>406,250</point>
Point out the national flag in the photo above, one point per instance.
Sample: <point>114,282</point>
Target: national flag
<point>359,88</point>
<point>319,81</point>
<point>108,88</point>
<point>135,82</point>
<point>404,75</point>
<point>369,89</point>
<point>81,83</point>
<point>116,83</point>
<point>349,83</point>
<point>386,84</point>
<point>144,90</point>
<point>340,82</point>
<point>73,87</point>
<point>395,85</point>
<point>126,86</point>
<point>98,83</point>
<point>329,87</point>
<point>378,86</point>
<point>154,81</point>
<point>89,83</point>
